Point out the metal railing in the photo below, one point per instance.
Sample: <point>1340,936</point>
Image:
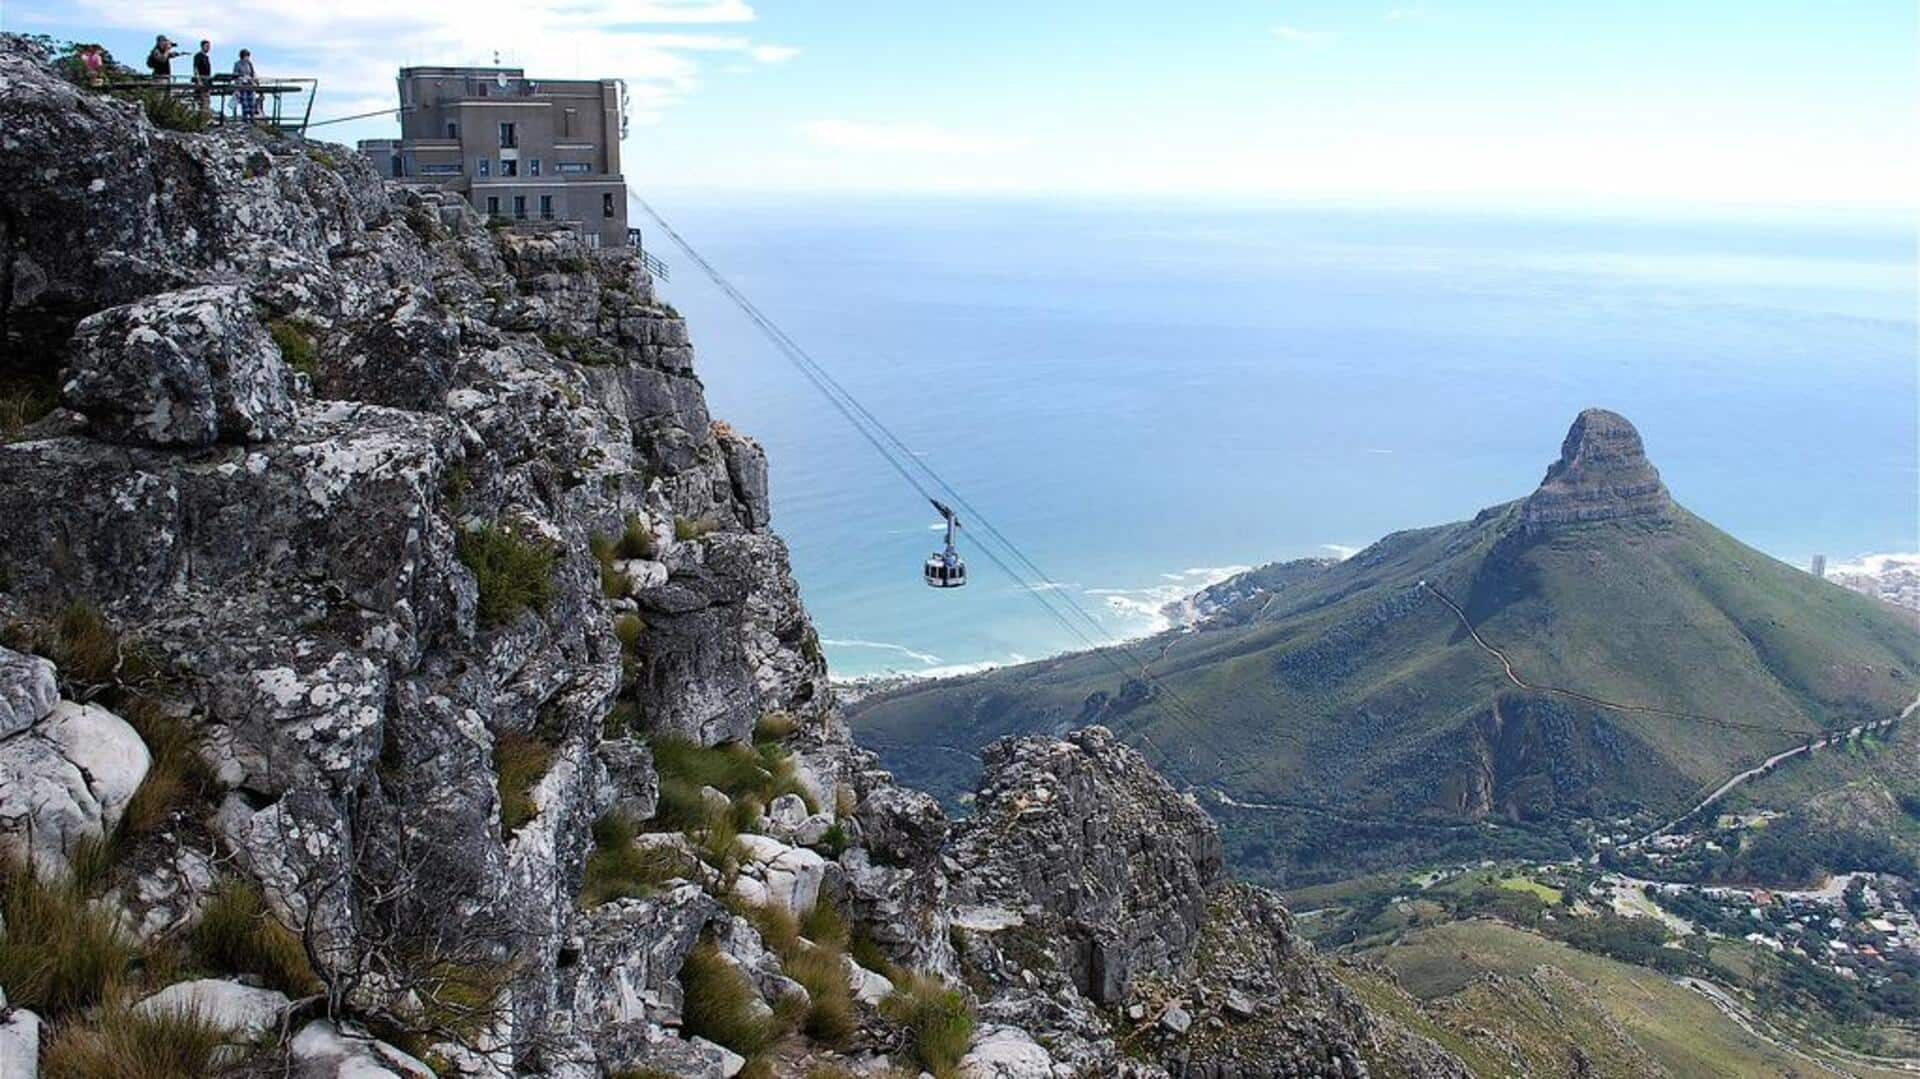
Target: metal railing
<point>227,97</point>
<point>650,262</point>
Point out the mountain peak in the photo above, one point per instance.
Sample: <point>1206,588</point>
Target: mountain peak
<point>1602,475</point>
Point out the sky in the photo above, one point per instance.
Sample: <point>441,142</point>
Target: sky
<point>1808,105</point>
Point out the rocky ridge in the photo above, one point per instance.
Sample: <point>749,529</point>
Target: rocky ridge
<point>388,569</point>
<point>1602,475</point>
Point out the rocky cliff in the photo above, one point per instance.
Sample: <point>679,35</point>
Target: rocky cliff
<point>400,677</point>
<point>1602,475</point>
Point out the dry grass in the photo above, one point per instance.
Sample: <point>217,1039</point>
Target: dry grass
<point>773,727</point>
<point>237,934</point>
<point>938,1021</point>
<point>60,954</point>
<point>519,761</point>
<point>121,1044</point>
<point>720,1004</point>
<point>617,869</point>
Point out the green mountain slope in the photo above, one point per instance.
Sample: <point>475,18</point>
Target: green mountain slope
<point>1351,688</point>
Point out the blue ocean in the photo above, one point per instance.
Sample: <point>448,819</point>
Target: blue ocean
<point>1147,396</point>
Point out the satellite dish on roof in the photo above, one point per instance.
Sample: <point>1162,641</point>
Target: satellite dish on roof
<point>500,79</point>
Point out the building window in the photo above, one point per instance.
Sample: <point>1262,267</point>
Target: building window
<point>533,167</point>
<point>486,167</point>
<point>507,139</point>
<point>399,166</point>
<point>572,168</point>
<point>566,124</point>
<point>606,204</point>
<point>509,167</point>
<point>546,207</point>
<point>520,206</point>
<point>453,130</point>
<point>493,206</point>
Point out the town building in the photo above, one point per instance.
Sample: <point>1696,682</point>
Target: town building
<point>520,150</point>
<point>1820,565</point>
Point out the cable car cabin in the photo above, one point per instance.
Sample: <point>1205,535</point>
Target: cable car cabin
<point>945,570</point>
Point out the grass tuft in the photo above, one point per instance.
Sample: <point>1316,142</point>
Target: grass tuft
<point>513,574</point>
<point>617,869</point>
<point>691,528</point>
<point>22,404</point>
<point>519,760</point>
<point>178,774</point>
<point>721,1005</point>
<point>237,934</point>
<point>937,1020</point>
<point>125,1044</point>
<point>773,727</point>
<point>60,954</point>
<point>628,628</point>
<point>636,540</point>
<point>296,346</point>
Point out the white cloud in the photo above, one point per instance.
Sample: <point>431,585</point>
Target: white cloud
<point>355,46</point>
<point>1298,36</point>
<point>908,138</point>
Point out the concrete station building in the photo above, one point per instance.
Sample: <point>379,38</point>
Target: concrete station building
<point>519,149</point>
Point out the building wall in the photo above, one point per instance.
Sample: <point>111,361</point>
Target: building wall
<point>567,129</point>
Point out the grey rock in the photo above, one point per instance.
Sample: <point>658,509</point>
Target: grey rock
<point>19,1042</point>
<point>628,960</point>
<point>1177,1020</point>
<point>323,1051</point>
<point>771,872</point>
<point>67,777</point>
<point>244,1011</point>
<point>185,368</point>
<point>28,691</point>
<point>1004,1052</point>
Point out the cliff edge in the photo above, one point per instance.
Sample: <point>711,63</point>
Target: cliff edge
<point>400,677</point>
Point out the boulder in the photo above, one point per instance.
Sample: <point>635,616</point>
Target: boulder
<point>787,812</point>
<point>789,876</point>
<point>19,1042</point>
<point>28,691</point>
<point>324,1051</point>
<point>245,1011</point>
<point>186,368</point>
<point>1003,1052</point>
<point>65,778</point>
<point>629,955</point>
<point>869,987</point>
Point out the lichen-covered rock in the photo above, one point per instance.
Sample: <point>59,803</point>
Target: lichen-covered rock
<point>1092,889</point>
<point>771,872</point>
<point>28,691</point>
<point>185,368</point>
<point>1003,1052</point>
<point>625,962</point>
<point>67,777</point>
<point>1083,829</point>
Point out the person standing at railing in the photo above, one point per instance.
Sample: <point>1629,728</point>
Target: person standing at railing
<point>203,76</point>
<point>244,82</point>
<point>160,60</point>
<point>94,63</point>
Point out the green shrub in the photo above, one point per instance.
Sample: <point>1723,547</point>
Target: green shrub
<point>620,721</point>
<point>773,727</point>
<point>720,1004</point>
<point>617,869</point>
<point>60,954</point>
<point>636,540</point>
<point>512,574</point>
<point>834,840</point>
<point>937,1020</point>
<point>296,346</point>
<point>519,760</point>
<point>124,1044</point>
<point>23,403</point>
<point>237,934</point>
<point>323,157</point>
<point>628,628</point>
<point>166,110</point>
<point>688,528</point>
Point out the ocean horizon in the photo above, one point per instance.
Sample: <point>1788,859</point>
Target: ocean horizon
<point>1149,398</point>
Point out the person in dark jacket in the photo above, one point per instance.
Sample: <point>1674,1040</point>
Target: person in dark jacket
<point>160,60</point>
<point>203,75</point>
